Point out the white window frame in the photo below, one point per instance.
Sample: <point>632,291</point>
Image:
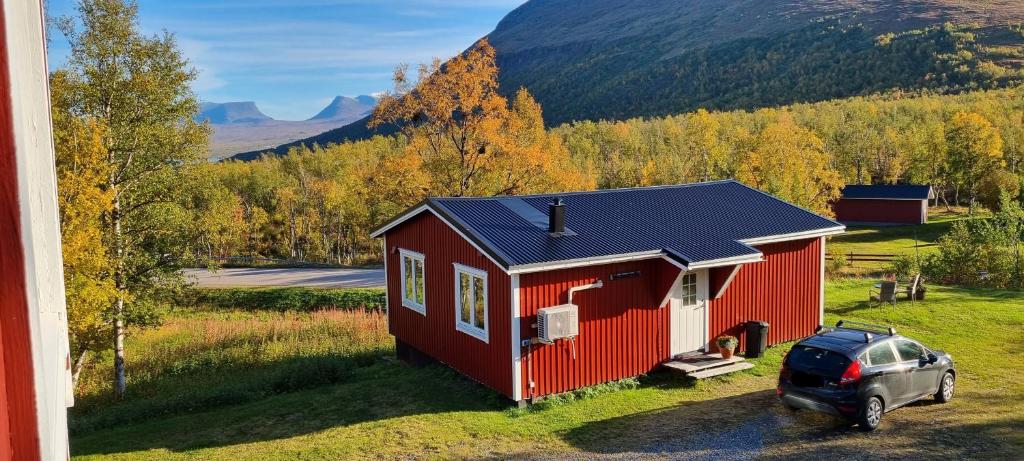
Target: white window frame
<point>411,303</point>
<point>470,328</point>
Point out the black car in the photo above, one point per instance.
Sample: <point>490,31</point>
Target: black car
<point>860,371</point>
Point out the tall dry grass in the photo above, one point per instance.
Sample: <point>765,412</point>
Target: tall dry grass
<point>204,358</point>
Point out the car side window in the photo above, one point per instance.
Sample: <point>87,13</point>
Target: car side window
<point>909,350</point>
<point>881,355</point>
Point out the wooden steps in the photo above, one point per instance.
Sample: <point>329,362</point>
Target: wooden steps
<point>700,366</point>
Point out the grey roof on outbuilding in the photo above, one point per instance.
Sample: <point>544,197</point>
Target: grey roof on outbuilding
<point>695,225</point>
<point>888,192</point>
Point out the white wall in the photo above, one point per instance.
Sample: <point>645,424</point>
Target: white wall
<point>37,194</point>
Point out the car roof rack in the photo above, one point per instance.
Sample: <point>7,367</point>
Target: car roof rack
<point>867,328</point>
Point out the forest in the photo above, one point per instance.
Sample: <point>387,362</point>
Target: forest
<point>318,204</point>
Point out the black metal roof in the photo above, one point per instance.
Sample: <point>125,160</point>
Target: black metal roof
<point>690,223</point>
<point>891,192</point>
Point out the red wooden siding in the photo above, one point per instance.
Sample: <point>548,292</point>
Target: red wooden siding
<point>783,290</point>
<point>623,330</point>
<point>435,334</point>
<point>883,211</point>
<point>19,438</point>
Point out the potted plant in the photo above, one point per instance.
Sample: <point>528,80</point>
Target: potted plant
<point>726,345</point>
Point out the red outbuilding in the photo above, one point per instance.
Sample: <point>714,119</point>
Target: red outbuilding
<point>888,204</point>
<point>538,295</point>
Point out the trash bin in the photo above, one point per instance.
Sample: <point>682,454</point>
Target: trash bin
<point>757,338</point>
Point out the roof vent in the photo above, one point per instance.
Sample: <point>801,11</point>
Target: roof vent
<point>556,217</point>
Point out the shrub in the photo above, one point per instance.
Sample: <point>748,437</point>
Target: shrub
<point>976,254</point>
<point>996,183</point>
<point>904,266</point>
<point>834,264</point>
<point>291,299</point>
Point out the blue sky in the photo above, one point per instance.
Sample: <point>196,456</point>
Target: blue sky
<point>293,57</point>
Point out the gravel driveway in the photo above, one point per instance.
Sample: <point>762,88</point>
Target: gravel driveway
<point>286,277</point>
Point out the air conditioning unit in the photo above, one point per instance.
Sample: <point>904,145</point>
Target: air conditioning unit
<point>558,322</point>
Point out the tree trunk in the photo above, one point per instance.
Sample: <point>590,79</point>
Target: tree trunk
<point>77,370</point>
<point>120,383</point>
<point>119,281</point>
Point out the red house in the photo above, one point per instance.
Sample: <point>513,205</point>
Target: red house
<point>890,204</point>
<point>538,295</point>
<point>35,377</point>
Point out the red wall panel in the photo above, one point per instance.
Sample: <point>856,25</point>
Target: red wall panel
<point>19,438</point>
<point>623,330</point>
<point>883,211</point>
<point>783,290</point>
<point>435,334</point>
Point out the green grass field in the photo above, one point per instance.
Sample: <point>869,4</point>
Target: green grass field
<point>235,365</point>
<point>895,240</point>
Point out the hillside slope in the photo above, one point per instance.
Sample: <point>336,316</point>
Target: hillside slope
<point>617,59</point>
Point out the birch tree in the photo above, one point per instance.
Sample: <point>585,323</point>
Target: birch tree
<point>138,88</point>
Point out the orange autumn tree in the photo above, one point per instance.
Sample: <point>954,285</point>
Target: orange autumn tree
<point>469,138</point>
<point>790,162</point>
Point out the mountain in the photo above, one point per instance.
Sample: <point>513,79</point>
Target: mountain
<point>617,59</point>
<point>241,127</point>
<point>347,108</point>
<point>230,112</point>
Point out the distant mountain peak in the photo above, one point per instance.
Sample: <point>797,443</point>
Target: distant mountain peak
<point>346,107</point>
<point>231,113</point>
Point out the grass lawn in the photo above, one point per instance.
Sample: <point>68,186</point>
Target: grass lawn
<point>379,408</point>
<point>896,240</point>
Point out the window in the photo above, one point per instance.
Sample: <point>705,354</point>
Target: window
<point>909,350</point>
<point>881,355</point>
<point>689,286</point>
<point>413,286</point>
<point>822,361</point>
<point>471,301</point>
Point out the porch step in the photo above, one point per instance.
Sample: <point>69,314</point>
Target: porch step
<point>700,366</point>
<point>697,362</point>
<point>720,370</point>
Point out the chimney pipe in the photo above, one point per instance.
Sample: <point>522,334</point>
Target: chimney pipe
<point>556,217</point>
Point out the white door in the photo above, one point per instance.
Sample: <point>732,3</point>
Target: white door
<point>689,314</point>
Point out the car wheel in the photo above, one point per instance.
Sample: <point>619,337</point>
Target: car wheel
<point>945,392</point>
<point>871,415</point>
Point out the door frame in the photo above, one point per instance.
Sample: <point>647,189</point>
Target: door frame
<point>675,305</point>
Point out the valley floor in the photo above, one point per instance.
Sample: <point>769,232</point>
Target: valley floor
<point>376,407</point>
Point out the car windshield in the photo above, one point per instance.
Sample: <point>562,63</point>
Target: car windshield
<point>820,361</point>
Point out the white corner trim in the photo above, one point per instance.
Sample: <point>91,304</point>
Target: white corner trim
<point>387,297</point>
<point>728,281</point>
<point>409,303</point>
<point>23,24</point>
<point>517,348</point>
<point>469,329</point>
<point>821,280</point>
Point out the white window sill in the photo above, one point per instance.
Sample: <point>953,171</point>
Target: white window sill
<point>472,331</point>
<point>420,309</point>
